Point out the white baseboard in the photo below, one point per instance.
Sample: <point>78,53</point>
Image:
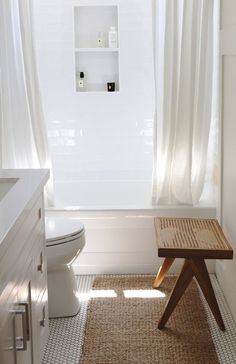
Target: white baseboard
<point>114,269</point>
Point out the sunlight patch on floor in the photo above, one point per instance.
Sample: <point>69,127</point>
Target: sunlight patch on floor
<point>143,293</point>
<point>97,293</point>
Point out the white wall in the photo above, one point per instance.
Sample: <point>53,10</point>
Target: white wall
<point>101,144</point>
<point>226,270</point>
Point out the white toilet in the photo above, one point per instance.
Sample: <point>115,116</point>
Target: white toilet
<point>65,239</point>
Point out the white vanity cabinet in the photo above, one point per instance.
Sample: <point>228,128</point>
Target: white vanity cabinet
<point>23,287</point>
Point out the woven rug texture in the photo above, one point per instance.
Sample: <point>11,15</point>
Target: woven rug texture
<point>124,330</point>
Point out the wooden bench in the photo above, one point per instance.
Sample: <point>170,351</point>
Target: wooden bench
<point>194,240</point>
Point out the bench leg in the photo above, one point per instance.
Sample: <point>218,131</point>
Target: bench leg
<point>192,267</point>
<point>181,284</point>
<point>202,276</point>
<point>162,272</point>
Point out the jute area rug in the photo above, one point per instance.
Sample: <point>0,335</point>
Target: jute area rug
<point>122,328</point>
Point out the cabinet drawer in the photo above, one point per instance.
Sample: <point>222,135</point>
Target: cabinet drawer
<point>28,233</point>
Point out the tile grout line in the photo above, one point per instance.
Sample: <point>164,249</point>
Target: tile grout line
<point>66,334</point>
<point>224,341</point>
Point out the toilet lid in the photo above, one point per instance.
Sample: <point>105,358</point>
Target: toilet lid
<point>58,228</point>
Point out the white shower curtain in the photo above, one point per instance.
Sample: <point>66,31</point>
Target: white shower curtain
<point>23,133</point>
<point>183,56</point>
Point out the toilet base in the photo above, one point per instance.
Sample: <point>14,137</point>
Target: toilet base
<point>62,292</point>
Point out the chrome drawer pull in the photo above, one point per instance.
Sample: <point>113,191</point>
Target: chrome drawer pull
<point>42,322</point>
<point>26,306</point>
<point>14,339</point>
<point>40,266</point>
<point>40,213</point>
<point>22,339</point>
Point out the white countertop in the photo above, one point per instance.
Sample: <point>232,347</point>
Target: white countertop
<point>16,198</point>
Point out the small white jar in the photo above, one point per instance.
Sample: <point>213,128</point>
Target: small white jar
<point>112,37</point>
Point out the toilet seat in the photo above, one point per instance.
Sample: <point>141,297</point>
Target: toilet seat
<point>61,230</point>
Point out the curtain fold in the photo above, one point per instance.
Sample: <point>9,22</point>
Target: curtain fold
<point>23,132</point>
<point>183,58</point>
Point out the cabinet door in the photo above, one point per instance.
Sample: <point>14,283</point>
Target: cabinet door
<point>7,340</point>
<point>23,321</point>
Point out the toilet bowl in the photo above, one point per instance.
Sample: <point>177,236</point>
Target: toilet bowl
<point>65,239</point>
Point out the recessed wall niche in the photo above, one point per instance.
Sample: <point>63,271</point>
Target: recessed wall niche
<point>96,59</point>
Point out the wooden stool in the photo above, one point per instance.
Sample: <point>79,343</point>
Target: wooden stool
<point>194,240</point>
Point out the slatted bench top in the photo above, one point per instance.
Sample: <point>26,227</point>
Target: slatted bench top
<point>191,237</point>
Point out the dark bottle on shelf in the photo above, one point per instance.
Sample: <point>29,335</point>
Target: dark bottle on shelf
<point>80,82</point>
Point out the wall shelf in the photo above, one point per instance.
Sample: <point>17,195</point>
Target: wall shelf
<point>100,65</point>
